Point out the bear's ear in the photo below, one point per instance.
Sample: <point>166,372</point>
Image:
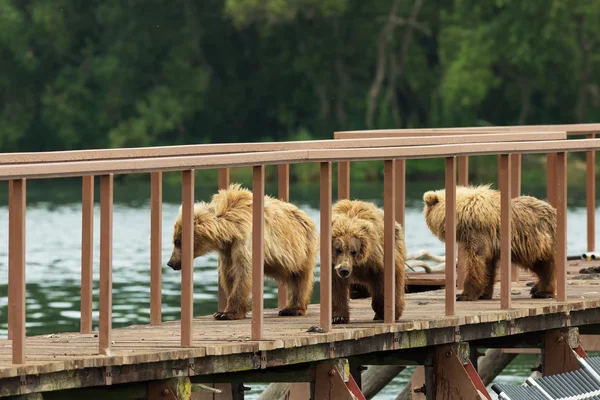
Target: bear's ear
<point>431,198</point>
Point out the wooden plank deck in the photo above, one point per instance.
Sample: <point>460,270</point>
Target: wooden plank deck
<point>287,340</point>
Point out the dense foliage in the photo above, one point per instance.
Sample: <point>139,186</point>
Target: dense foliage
<point>133,73</point>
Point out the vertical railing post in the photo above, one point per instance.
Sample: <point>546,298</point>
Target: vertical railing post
<point>187,257</point>
<point>258,250</point>
<point>87,249</point>
<point>561,226</point>
<point>389,242</point>
<point>325,245</point>
<point>551,178</point>
<point>156,248</point>
<point>590,187</point>
<point>400,200</point>
<point>463,180</point>
<point>16,269</point>
<point>515,191</point>
<point>11,216</point>
<point>283,192</point>
<point>343,180</point>
<point>224,179</point>
<point>505,230</point>
<point>106,231</point>
<point>450,228</point>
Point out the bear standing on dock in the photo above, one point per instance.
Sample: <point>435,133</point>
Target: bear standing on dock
<point>533,237</point>
<point>357,257</point>
<point>225,225</point>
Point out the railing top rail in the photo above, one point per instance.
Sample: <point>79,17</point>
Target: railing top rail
<point>570,129</point>
<point>151,164</point>
<point>230,148</point>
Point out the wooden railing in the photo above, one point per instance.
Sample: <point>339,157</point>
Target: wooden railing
<point>18,167</point>
<point>588,130</point>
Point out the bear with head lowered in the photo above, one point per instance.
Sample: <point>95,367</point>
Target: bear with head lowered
<point>357,235</point>
<point>225,225</point>
<point>533,237</point>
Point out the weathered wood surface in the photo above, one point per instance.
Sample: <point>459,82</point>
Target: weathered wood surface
<point>285,335</point>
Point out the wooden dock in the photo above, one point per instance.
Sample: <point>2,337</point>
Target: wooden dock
<point>160,360</point>
<point>143,353</point>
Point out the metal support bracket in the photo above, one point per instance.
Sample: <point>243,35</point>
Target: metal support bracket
<point>108,377</point>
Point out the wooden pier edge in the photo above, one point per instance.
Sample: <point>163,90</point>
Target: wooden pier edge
<point>402,346</point>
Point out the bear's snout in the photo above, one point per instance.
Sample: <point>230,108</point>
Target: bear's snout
<point>343,271</point>
<point>174,266</point>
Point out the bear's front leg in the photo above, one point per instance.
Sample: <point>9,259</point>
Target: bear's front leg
<point>237,301</point>
<point>340,298</point>
<point>236,279</point>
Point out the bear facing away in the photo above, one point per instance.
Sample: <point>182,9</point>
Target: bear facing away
<point>533,237</point>
<point>225,225</point>
<point>357,257</point>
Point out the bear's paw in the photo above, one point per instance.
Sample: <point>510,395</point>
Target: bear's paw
<point>340,320</point>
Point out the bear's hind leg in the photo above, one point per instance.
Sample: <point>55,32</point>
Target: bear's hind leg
<point>546,272</point>
<point>488,293</point>
<point>400,285</point>
<point>300,285</point>
<point>340,299</point>
<point>475,277</point>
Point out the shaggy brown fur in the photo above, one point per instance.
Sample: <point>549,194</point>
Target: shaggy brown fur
<point>533,237</point>
<point>225,225</point>
<point>357,257</point>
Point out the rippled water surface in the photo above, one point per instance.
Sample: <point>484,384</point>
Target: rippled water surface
<point>54,257</point>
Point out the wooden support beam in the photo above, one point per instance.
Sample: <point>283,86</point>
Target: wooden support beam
<point>557,354</point>
<point>454,376</point>
<point>168,389</point>
<point>333,382</point>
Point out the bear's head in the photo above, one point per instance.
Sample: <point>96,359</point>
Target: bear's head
<point>204,234</point>
<point>435,212</point>
<point>352,242</point>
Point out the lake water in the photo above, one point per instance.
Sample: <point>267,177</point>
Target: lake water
<point>54,251</point>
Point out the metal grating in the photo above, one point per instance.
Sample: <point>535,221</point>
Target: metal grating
<point>518,392</point>
<point>583,383</point>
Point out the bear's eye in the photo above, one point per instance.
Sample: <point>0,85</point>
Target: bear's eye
<point>353,253</point>
<point>338,251</point>
<point>177,243</point>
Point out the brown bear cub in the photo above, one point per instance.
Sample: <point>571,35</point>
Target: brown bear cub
<point>357,257</point>
<point>225,225</point>
<point>533,237</point>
